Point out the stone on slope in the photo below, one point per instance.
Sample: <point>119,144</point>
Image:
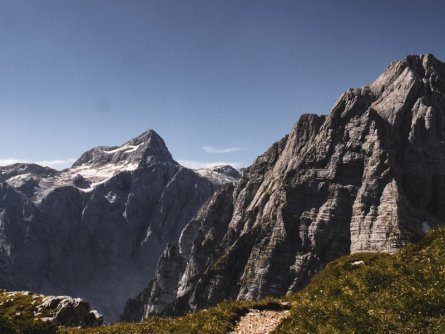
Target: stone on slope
<point>70,311</point>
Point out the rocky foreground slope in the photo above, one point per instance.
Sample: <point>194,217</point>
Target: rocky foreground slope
<point>95,230</point>
<point>368,177</point>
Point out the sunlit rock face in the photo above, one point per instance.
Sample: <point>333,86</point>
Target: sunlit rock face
<point>370,176</point>
<point>97,229</point>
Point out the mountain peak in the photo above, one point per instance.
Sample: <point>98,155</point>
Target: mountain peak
<point>144,150</point>
<point>421,60</point>
<point>424,69</point>
<point>146,136</point>
<point>94,167</point>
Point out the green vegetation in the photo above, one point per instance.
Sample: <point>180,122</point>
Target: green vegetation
<point>399,293</point>
<point>362,293</point>
<point>216,320</point>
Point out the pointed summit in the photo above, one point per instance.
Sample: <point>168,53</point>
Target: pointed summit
<point>143,150</point>
<point>152,148</point>
<point>145,137</point>
<point>425,70</point>
<point>93,168</point>
<point>395,91</point>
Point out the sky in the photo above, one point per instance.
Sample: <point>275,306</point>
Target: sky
<point>219,80</point>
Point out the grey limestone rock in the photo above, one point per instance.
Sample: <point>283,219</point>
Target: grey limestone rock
<point>70,311</point>
<point>368,177</point>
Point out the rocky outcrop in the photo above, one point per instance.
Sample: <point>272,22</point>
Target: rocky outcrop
<point>68,311</point>
<point>22,306</point>
<point>368,177</point>
<point>97,229</point>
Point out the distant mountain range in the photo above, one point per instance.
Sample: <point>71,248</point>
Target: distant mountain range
<point>97,229</point>
<point>368,177</point>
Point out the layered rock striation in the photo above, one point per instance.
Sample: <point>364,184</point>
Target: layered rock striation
<point>370,176</point>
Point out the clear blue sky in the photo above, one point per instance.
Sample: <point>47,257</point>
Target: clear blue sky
<point>219,80</point>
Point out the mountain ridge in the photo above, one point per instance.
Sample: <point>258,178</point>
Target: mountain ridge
<point>367,177</point>
<point>95,230</point>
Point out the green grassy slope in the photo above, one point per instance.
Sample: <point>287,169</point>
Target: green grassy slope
<point>216,320</point>
<point>399,293</point>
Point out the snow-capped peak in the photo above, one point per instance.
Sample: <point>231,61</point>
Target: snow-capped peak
<point>93,168</point>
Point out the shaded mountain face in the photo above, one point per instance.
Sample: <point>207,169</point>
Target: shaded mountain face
<point>95,230</point>
<point>368,177</point>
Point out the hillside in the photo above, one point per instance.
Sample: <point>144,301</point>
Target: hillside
<point>361,293</point>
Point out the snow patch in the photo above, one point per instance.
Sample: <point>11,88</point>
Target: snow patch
<point>215,177</point>
<point>127,148</point>
<point>111,197</point>
<point>358,263</point>
<point>147,236</point>
<point>97,175</point>
<point>94,175</point>
<point>20,177</point>
<point>425,227</point>
<point>19,180</point>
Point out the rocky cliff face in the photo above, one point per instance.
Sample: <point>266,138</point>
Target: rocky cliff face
<point>95,230</point>
<point>368,177</point>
